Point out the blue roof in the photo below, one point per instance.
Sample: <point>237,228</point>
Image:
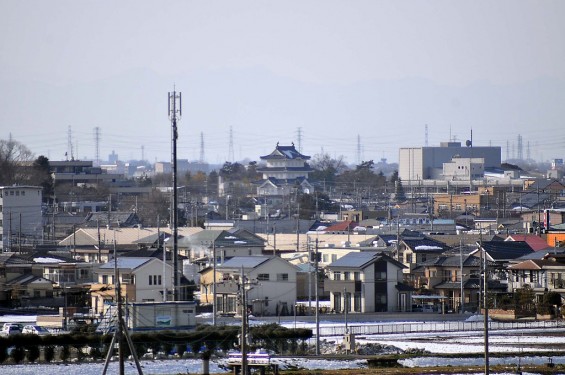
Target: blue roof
<point>362,259</point>
<point>126,263</point>
<point>245,262</point>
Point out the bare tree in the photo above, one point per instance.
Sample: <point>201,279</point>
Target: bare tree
<point>15,162</point>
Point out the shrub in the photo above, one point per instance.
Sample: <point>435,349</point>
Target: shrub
<point>48,353</point>
<point>32,353</point>
<point>18,354</point>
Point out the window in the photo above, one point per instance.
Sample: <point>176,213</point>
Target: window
<point>357,302</point>
<point>159,280</point>
<point>346,275</point>
<point>23,192</point>
<point>357,276</point>
<point>126,278</point>
<point>150,280</point>
<point>36,294</point>
<point>380,275</point>
<point>282,276</point>
<point>104,279</point>
<point>334,257</point>
<point>325,258</point>
<point>408,257</point>
<point>263,277</point>
<point>337,275</point>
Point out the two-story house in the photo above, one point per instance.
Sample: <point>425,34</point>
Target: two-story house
<point>449,275</point>
<point>367,282</point>
<point>269,281</point>
<point>141,280</point>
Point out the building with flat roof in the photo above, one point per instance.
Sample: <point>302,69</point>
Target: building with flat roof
<point>20,216</point>
<point>427,163</point>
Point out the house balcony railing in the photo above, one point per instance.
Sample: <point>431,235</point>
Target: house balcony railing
<point>338,286</point>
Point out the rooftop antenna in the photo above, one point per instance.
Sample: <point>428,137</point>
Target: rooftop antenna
<point>299,131</point>
<point>175,113</point>
<point>426,139</point>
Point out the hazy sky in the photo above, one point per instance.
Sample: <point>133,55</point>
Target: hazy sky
<point>338,70</point>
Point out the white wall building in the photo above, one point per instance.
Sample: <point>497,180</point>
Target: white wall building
<point>20,215</point>
<point>426,163</point>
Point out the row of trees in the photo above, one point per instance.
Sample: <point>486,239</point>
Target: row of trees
<point>204,341</point>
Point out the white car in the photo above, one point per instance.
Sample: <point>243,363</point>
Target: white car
<point>9,329</point>
<point>35,330</point>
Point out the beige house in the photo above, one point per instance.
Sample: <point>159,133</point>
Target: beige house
<point>270,282</point>
<point>141,280</point>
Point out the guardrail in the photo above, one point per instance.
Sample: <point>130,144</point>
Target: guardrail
<point>420,327</point>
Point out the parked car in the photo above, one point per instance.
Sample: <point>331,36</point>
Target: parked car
<point>35,330</point>
<point>9,329</point>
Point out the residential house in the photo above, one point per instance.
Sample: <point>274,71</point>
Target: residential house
<point>225,243</point>
<point>535,242</point>
<point>367,282</point>
<point>141,280</point>
<point>269,281</point>
<point>411,252</point>
<point>447,275</point>
<point>26,290</point>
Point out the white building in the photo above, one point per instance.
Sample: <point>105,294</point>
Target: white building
<point>141,280</point>
<point>270,283</point>
<point>426,163</point>
<point>20,216</point>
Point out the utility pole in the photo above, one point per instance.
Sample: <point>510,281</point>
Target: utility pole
<point>214,307</point>
<point>243,325</point>
<point>121,331</point>
<point>485,303</point>
<point>175,112</point>
<point>317,300</point>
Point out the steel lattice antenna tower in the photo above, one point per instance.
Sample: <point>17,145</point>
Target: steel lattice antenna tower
<point>520,148</point>
<point>528,155</point>
<point>202,147</point>
<point>426,139</point>
<point>358,149</point>
<point>97,145</point>
<point>231,156</point>
<point>507,150</point>
<point>299,137</point>
<point>70,143</point>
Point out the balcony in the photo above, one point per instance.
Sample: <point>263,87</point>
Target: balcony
<point>338,286</point>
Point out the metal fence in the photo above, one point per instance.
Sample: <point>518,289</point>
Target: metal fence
<point>426,327</point>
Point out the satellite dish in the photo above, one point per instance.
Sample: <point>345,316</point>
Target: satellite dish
<point>469,143</point>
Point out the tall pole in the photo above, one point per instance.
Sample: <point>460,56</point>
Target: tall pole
<point>317,300</point>
<point>175,112</point>
<point>485,304</point>
<point>243,325</point>
<point>214,307</point>
<point>462,295</point>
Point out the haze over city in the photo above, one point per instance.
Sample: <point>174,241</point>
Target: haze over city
<point>336,70</point>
